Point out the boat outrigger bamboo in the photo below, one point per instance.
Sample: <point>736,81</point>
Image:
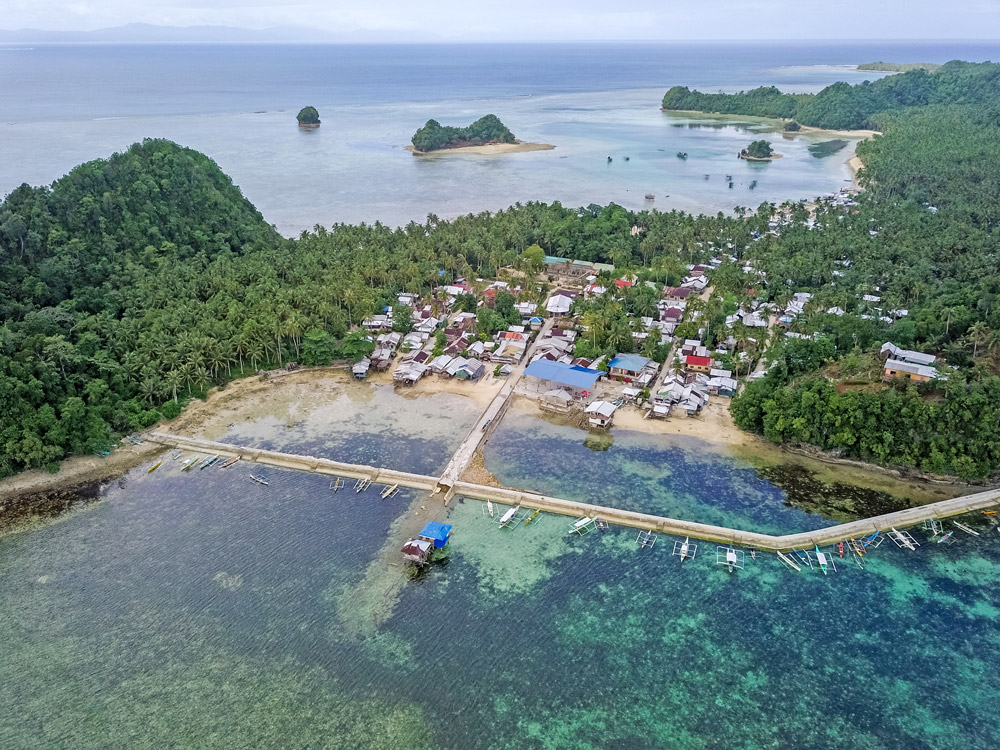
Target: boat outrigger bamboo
<point>259,480</point>
<point>229,463</point>
<point>390,490</point>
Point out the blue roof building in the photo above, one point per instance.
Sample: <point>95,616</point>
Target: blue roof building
<point>629,363</point>
<point>561,373</point>
<point>437,533</point>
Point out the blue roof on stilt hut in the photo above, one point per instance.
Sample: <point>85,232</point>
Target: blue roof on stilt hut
<point>436,532</point>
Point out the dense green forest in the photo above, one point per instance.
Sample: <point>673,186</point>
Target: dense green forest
<point>924,239</point>
<point>434,136</point>
<point>842,105</point>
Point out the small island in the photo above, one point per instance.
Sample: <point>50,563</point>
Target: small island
<point>759,151</point>
<point>487,135</point>
<point>308,118</point>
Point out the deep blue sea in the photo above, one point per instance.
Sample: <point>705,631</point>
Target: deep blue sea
<point>62,105</point>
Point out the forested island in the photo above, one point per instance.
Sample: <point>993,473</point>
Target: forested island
<point>843,106</point>
<point>138,282</point>
<point>759,150</point>
<point>308,118</point>
<point>487,129</point>
<point>884,67</point>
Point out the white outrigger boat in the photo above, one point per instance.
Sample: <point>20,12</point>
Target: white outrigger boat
<point>507,518</point>
<point>903,539</point>
<point>489,507</point>
<point>826,564</point>
<point>788,561</point>
<point>685,550</point>
<point>733,559</point>
<point>966,529</point>
<point>582,526</point>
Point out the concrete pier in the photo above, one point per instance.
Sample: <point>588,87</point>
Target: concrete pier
<point>822,537</point>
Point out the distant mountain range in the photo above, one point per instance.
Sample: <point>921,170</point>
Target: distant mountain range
<point>144,33</point>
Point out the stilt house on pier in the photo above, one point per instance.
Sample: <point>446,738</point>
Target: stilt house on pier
<point>433,536</point>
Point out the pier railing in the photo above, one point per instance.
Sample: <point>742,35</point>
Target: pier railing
<point>448,488</point>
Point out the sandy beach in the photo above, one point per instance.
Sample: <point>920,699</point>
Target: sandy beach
<point>491,149</point>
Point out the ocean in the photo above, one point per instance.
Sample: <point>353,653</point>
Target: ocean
<point>63,105</point>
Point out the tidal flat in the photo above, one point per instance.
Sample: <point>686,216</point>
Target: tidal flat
<point>201,609</point>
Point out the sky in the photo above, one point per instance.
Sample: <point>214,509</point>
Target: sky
<point>529,20</point>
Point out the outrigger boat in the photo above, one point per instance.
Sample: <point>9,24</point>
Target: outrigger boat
<point>229,463</point>
<point>582,526</point>
<point>685,550</point>
<point>840,549</point>
<point>965,528</point>
<point>903,539</point>
<point>154,467</point>
<point>259,480</point>
<point>489,507</point>
<point>803,556</point>
<point>390,490</point>
<point>947,538</point>
<point>190,463</point>
<point>733,559</point>
<point>821,559</point>
<point>209,462</point>
<point>532,517</point>
<point>602,524</point>
<point>788,561</point>
<point>508,517</point>
<point>645,539</point>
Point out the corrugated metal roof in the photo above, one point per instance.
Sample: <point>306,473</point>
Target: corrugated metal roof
<point>559,372</point>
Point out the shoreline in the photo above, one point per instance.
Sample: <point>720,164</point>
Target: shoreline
<point>242,399</point>
<point>489,149</point>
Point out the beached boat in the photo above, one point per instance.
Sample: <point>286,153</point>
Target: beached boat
<point>190,464</point>
<point>154,467</point>
<point>259,480</point>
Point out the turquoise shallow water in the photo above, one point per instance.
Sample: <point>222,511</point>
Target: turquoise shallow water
<point>203,610</point>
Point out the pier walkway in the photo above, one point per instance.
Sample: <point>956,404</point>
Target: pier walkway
<point>826,536</point>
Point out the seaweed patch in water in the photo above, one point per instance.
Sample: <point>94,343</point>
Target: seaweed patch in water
<point>835,500</point>
<point>827,148</point>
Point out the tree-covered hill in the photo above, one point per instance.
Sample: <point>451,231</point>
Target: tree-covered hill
<point>843,106</point>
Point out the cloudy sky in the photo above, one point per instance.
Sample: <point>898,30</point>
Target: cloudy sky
<point>456,20</point>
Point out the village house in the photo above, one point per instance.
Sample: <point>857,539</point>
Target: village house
<point>905,364</point>
<point>677,293</point>
<point>600,413</point>
<point>631,367</point>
